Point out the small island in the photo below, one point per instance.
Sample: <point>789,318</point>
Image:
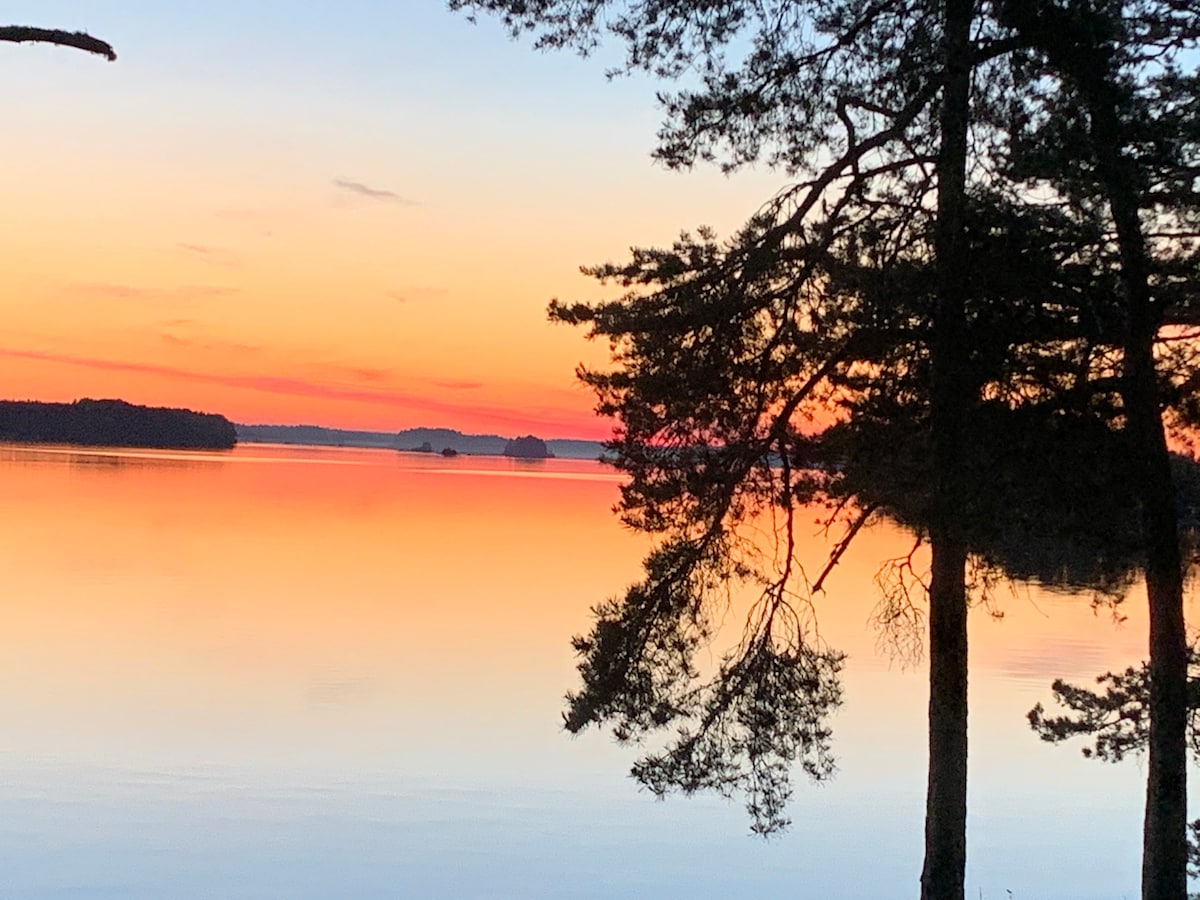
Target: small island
<point>114,423</point>
<point>528,447</point>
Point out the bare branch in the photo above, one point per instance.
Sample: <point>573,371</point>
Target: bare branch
<point>842,545</point>
<point>80,40</point>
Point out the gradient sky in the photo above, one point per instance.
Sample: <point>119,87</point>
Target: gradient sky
<point>350,214</point>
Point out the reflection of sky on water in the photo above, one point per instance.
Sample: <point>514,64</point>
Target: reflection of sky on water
<point>229,836</point>
<point>287,680</point>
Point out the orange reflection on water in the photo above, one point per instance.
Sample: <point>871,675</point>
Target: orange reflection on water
<point>171,586</point>
<point>349,604</point>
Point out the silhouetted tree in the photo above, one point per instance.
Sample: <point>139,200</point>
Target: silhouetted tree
<point>80,40</point>
<point>1116,718</point>
<point>721,348</point>
<point>951,402</point>
<point>1112,123</point>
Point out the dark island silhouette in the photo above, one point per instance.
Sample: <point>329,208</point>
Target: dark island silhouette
<point>527,447</point>
<point>113,423</point>
<point>428,448</point>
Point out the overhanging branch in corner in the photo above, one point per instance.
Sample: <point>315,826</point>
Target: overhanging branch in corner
<point>80,40</point>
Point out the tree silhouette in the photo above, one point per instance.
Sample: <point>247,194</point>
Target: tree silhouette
<point>1115,716</point>
<point>721,350</point>
<point>862,287</point>
<point>80,40</point>
<point>1110,123</point>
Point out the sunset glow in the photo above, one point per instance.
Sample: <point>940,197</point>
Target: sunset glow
<point>285,215</point>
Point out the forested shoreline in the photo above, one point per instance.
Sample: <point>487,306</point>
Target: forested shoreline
<point>114,423</point>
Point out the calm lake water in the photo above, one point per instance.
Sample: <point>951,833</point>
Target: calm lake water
<point>301,672</point>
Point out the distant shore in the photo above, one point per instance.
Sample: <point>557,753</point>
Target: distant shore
<point>438,440</point>
<point>113,423</point>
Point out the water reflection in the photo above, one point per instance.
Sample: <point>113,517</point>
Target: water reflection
<point>260,674</point>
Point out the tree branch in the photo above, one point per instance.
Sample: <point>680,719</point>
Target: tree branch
<point>80,40</point>
<point>842,545</point>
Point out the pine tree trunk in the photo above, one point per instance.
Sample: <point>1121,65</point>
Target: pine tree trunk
<point>950,404</point>
<point>946,794</point>
<point>1089,65</point>
<point>1164,840</point>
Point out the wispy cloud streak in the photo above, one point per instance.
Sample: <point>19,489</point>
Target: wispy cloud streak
<point>217,256</point>
<point>548,422</point>
<point>365,190</point>
<point>131,292</point>
<point>459,385</point>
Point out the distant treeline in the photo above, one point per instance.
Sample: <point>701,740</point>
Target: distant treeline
<point>438,439</point>
<point>113,423</point>
<point>313,434</point>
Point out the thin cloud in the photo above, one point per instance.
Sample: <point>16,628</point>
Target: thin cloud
<point>373,376</point>
<point>341,371</point>
<point>459,385</point>
<point>218,256</point>
<point>121,291</point>
<point>365,190</point>
<point>537,419</point>
<point>131,292</point>
<point>210,344</point>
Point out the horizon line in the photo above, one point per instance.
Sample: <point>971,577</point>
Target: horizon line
<point>411,428</point>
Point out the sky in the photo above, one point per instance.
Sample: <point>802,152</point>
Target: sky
<point>349,213</point>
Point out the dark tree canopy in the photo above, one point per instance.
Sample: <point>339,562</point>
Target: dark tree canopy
<point>940,278</point>
<point>726,356</point>
<point>113,423</point>
<point>1110,125</point>
<point>527,447</point>
<point>770,81</point>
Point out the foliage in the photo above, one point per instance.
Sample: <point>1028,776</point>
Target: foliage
<point>1115,716</point>
<point>717,361</point>
<point>726,358</point>
<point>771,81</point>
<point>839,294</point>
<point>1111,127</point>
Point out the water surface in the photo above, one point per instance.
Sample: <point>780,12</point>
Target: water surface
<point>317,672</point>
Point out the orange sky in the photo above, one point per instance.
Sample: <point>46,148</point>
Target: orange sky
<point>300,219</point>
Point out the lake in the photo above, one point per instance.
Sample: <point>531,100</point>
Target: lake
<point>319,672</point>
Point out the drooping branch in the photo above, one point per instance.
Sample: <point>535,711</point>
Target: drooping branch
<point>80,40</point>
